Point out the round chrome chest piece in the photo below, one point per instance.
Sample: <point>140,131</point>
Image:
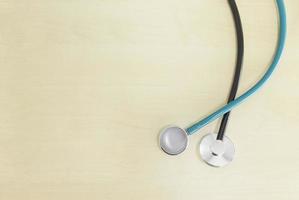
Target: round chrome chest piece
<point>215,152</point>
<point>173,140</point>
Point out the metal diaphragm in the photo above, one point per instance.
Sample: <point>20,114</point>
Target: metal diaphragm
<point>217,153</point>
<point>173,140</point>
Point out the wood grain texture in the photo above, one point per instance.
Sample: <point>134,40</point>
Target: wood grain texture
<point>85,87</point>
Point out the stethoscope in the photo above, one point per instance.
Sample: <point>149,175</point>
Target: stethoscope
<point>218,150</point>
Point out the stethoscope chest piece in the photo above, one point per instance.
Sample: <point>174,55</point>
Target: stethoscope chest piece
<point>215,152</point>
<point>173,140</point>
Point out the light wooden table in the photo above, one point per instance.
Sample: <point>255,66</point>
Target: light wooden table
<point>85,87</point>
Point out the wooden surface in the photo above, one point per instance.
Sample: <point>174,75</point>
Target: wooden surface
<point>85,87</point>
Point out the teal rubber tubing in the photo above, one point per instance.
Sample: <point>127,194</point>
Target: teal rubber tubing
<point>281,43</point>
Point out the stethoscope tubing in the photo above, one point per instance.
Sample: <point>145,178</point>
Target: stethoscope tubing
<point>279,50</point>
<point>238,68</point>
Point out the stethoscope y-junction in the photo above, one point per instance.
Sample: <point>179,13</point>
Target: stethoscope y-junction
<point>217,149</point>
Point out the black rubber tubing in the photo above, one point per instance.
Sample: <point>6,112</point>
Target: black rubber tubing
<point>239,62</point>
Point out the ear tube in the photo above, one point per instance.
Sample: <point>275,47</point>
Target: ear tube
<point>279,50</point>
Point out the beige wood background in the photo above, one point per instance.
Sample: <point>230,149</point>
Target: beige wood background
<point>85,87</point>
